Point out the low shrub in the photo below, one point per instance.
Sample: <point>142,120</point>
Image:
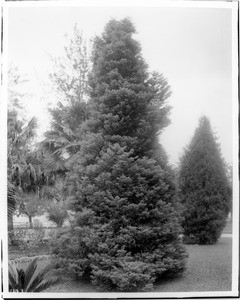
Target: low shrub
<point>18,238</point>
<point>35,237</point>
<point>57,212</point>
<point>23,260</point>
<point>27,239</point>
<point>37,224</point>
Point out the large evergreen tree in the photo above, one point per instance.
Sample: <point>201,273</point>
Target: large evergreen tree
<point>126,233</point>
<point>204,189</point>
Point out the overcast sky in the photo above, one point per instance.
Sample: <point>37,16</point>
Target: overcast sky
<point>192,47</point>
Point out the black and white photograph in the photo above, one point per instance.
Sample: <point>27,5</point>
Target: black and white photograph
<point>119,156</point>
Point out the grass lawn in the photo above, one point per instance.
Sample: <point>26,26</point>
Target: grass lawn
<point>209,268</point>
<point>228,228</point>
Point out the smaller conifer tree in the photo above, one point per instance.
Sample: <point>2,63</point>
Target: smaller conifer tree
<point>203,187</point>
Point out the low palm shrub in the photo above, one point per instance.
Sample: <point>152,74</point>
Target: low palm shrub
<point>29,280</point>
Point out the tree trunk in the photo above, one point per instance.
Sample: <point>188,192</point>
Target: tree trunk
<point>11,206</point>
<point>10,222</point>
<point>59,224</point>
<point>10,228</point>
<point>30,222</point>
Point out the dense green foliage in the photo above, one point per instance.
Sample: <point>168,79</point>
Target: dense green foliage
<point>126,232</point>
<point>204,187</point>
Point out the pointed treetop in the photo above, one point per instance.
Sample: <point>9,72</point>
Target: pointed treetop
<point>124,26</point>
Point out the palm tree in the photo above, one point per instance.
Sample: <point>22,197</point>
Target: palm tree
<point>25,172</point>
<point>19,140</point>
<point>63,139</point>
<point>28,280</point>
<point>28,180</point>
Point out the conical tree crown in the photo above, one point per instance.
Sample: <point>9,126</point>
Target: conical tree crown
<point>117,55</point>
<point>204,188</point>
<point>130,102</point>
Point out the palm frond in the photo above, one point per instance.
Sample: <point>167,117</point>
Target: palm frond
<point>30,129</point>
<point>68,146</point>
<point>68,131</point>
<point>21,279</point>
<point>24,281</point>
<point>43,286</point>
<point>56,163</point>
<point>13,283</point>
<point>16,174</point>
<point>39,278</point>
<point>30,271</point>
<point>11,201</point>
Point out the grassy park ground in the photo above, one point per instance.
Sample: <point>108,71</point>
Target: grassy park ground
<point>209,268</point>
<point>228,228</point>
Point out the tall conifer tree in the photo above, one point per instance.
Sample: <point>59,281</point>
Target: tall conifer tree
<point>204,189</point>
<point>127,225</point>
